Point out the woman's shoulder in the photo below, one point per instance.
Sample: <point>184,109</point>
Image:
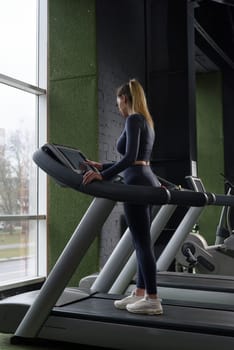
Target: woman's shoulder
<point>135,118</point>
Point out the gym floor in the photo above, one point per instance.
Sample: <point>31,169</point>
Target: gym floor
<point>5,344</point>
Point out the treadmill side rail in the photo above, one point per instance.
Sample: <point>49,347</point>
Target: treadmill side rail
<point>65,266</point>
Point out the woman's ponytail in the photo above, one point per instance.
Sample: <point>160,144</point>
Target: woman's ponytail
<point>139,103</point>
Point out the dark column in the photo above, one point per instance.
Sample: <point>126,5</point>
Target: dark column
<point>228,127</point>
<point>228,122</point>
<point>120,56</point>
<point>171,87</point>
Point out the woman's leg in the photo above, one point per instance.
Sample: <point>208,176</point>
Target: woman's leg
<point>139,221</point>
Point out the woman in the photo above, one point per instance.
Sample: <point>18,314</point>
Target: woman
<point>135,145</point>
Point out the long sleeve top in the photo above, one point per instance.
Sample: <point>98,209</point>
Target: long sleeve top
<point>135,143</point>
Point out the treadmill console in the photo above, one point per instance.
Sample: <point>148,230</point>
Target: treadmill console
<point>69,157</point>
<point>195,184</point>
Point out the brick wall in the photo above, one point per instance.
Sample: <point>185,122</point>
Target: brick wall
<point>121,56</point>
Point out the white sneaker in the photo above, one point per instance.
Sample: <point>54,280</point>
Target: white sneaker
<point>146,306</point>
<point>121,304</point>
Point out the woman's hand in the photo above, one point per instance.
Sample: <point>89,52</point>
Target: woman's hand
<point>91,176</point>
<point>96,165</point>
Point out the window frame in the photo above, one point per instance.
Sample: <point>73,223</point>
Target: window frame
<point>40,92</point>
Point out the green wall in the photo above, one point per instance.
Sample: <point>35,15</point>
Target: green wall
<point>210,145</point>
<point>72,114</point>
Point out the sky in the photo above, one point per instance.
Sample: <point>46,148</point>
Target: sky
<point>18,39</point>
<point>18,60</point>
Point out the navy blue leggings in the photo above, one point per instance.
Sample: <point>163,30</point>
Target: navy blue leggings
<point>138,218</point>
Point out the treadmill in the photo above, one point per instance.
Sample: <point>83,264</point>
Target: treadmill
<point>198,311</point>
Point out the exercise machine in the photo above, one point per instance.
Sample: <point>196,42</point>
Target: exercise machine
<point>88,316</point>
<point>196,255</point>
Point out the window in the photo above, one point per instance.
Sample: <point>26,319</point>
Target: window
<point>22,131</point>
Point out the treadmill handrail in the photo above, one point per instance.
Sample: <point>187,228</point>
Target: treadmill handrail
<point>121,192</point>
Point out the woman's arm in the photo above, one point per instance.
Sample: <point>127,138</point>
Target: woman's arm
<point>133,132</point>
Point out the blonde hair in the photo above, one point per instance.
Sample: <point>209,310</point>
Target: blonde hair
<point>136,97</point>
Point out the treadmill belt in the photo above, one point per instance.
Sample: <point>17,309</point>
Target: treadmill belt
<point>196,281</point>
<point>186,318</point>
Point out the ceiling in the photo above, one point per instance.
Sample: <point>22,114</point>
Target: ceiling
<point>214,34</point>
